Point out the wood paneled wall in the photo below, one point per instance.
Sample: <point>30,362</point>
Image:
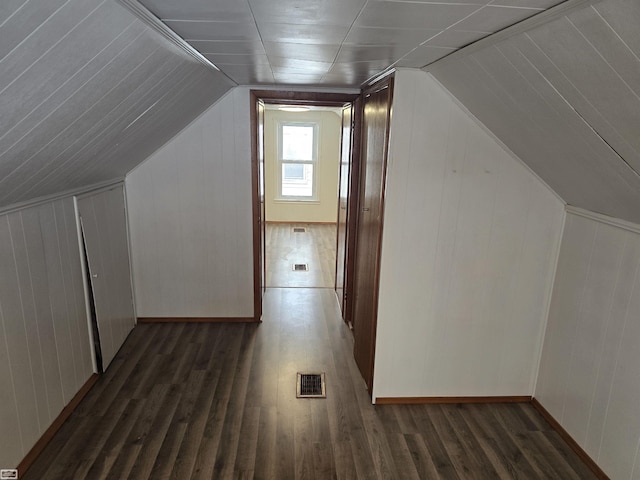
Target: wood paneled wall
<point>589,379</point>
<point>469,249</point>
<point>190,218</point>
<point>44,341</point>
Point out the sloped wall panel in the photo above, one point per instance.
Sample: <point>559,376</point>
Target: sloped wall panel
<point>564,97</point>
<point>87,92</point>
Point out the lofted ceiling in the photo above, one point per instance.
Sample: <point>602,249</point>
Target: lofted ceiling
<point>333,42</point>
<point>565,98</point>
<point>88,91</point>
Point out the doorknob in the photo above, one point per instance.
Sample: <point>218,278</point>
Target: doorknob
<point>95,275</point>
<point>365,209</point>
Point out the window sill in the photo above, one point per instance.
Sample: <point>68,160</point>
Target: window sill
<point>311,201</point>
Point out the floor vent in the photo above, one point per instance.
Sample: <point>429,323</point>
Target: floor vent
<point>299,230</point>
<point>300,267</point>
<point>311,385</point>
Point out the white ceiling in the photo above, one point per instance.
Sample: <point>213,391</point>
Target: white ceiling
<point>88,90</point>
<point>333,42</point>
<point>565,98</point>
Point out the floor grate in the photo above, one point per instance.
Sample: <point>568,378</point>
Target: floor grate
<point>299,230</point>
<point>311,385</point>
<point>300,267</point>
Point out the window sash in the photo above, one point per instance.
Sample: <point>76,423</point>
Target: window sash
<point>304,188</point>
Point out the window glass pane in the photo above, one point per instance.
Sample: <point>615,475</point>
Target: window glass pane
<point>297,180</point>
<point>297,142</point>
<point>292,171</point>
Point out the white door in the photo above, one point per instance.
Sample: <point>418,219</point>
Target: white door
<point>103,222</point>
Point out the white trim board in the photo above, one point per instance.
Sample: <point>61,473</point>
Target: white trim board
<point>149,19</point>
<point>606,219</point>
<point>58,196</point>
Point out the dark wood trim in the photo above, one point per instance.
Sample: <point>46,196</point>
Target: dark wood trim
<point>278,222</point>
<point>197,320</point>
<point>46,437</point>
<point>386,82</point>
<point>326,99</point>
<point>436,400</point>
<point>255,195</point>
<point>584,456</point>
<point>353,209</point>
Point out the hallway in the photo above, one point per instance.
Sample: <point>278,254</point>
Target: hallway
<point>218,401</point>
<point>315,247</point>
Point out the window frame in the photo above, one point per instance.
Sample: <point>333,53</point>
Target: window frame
<point>313,162</point>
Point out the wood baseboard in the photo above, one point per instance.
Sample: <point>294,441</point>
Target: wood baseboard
<point>584,456</point>
<point>196,319</point>
<point>435,400</point>
<point>46,437</point>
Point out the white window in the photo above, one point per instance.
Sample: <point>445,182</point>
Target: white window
<point>297,160</point>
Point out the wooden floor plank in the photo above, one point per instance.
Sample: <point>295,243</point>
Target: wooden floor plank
<point>422,460</point>
<point>504,454</point>
<point>316,248</point>
<point>216,400</point>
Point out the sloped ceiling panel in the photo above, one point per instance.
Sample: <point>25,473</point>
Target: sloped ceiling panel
<point>565,98</point>
<point>87,91</point>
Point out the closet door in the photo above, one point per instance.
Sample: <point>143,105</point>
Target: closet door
<point>375,139</point>
<point>104,227</point>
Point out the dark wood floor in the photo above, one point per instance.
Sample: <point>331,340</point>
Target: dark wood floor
<point>218,401</point>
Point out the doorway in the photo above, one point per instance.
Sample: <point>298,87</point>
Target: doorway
<point>270,193</point>
<point>359,233</point>
<point>302,170</point>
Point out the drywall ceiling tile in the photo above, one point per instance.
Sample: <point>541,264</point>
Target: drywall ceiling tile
<point>312,34</point>
<point>303,51</point>
<point>389,36</point>
<point>296,12</point>
<point>412,15</point>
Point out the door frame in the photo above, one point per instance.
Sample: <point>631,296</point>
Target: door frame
<point>385,83</point>
<point>353,201</point>
<point>324,99</point>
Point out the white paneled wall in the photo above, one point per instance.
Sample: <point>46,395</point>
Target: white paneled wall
<point>589,377</point>
<point>190,215</point>
<point>469,249</point>
<point>44,341</point>
<point>104,225</point>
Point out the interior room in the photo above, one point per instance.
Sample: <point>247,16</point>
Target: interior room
<point>478,317</point>
<point>302,172</point>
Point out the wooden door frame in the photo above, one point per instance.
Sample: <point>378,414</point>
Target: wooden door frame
<point>386,82</point>
<point>324,99</point>
<point>353,203</point>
